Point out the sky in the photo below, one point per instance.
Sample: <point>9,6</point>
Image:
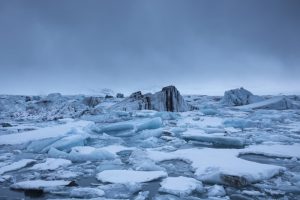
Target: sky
<point>200,46</point>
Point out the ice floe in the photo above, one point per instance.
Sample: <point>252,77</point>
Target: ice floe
<point>16,165</point>
<point>127,128</point>
<point>274,150</point>
<point>86,192</point>
<point>82,153</point>
<point>129,176</point>
<point>181,186</point>
<point>218,139</point>
<point>220,165</point>
<point>39,184</point>
<point>43,133</point>
<point>51,164</point>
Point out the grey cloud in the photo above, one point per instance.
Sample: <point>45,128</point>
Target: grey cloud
<point>202,46</point>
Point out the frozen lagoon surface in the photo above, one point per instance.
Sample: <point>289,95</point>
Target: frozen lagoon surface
<point>74,150</point>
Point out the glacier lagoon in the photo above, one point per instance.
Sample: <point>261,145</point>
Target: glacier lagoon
<point>234,147</point>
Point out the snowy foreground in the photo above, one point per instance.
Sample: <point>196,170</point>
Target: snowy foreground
<point>75,147</point>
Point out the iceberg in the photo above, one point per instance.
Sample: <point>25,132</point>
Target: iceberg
<point>129,176</point>
<point>168,99</point>
<point>239,97</point>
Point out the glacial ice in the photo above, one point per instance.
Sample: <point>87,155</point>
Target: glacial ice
<point>239,97</point>
<point>210,168</point>
<point>82,153</point>
<point>129,176</point>
<point>44,133</point>
<point>51,164</point>
<point>218,139</point>
<point>39,184</point>
<point>274,150</point>
<point>16,165</point>
<point>86,192</point>
<point>135,151</point>
<point>275,103</point>
<point>180,186</point>
<point>131,126</point>
<point>168,99</point>
<point>120,191</point>
<point>216,191</point>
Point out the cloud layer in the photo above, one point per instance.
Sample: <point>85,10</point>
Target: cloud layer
<point>203,47</point>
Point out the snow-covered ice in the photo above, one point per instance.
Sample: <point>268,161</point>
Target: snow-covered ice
<point>16,165</point>
<point>51,164</point>
<point>86,192</point>
<point>43,133</point>
<point>274,150</point>
<point>181,186</point>
<point>129,176</point>
<point>219,165</point>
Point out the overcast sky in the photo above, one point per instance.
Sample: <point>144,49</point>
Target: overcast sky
<point>200,46</point>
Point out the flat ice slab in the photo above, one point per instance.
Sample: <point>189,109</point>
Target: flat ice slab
<point>220,165</point>
<point>16,165</point>
<point>276,103</point>
<point>86,192</point>
<point>129,176</point>
<point>43,133</point>
<point>216,139</point>
<point>52,164</point>
<point>39,184</point>
<point>274,150</point>
<point>83,153</point>
<point>180,186</point>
